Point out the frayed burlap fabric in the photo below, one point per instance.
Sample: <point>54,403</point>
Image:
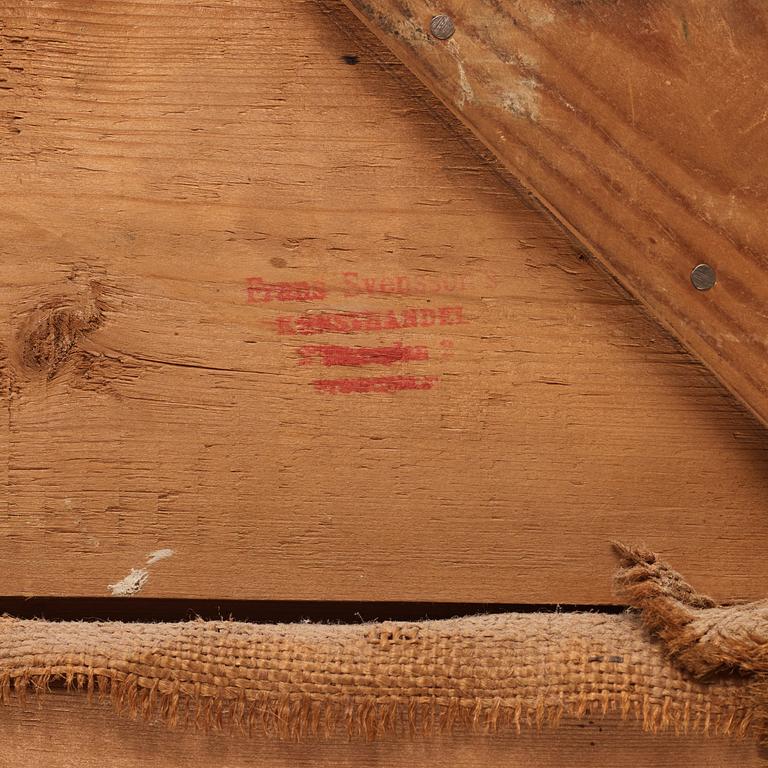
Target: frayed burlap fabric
<point>679,663</point>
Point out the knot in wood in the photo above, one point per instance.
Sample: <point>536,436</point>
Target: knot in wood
<point>52,330</point>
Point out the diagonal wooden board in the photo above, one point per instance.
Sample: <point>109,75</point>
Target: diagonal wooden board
<point>642,126</point>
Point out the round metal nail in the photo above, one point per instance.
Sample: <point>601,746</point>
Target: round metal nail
<point>703,277</point>
<point>442,27</point>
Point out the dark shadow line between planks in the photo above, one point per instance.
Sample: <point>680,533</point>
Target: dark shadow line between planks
<point>147,609</point>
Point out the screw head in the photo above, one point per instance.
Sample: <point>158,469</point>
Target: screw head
<point>703,277</point>
<point>442,27</point>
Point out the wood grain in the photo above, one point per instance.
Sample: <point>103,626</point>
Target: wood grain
<point>159,155</point>
<point>642,126</point>
<point>67,732</point>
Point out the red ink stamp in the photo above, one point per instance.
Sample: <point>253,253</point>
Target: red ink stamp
<point>369,321</point>
<point>261,292</point>
<point>376,384</point>
<point>332,354</point>
<point>395,355</point>
<point>423,283</point>
<point>447,346</point>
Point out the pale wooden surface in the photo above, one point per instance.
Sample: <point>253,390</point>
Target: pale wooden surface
<point>70,733</point>
<point>156,155</point>
<point>643,126</point>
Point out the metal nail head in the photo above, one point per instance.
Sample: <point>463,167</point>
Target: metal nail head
<point>442,27</point>
<point>703,277</point>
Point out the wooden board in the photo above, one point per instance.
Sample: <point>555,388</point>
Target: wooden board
<point>69,733</point>
<point>159,155</point>
<point>643,126</point>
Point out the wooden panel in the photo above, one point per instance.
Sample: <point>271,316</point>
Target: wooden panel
<point>643,126</point>
<point>157,156</point>
<point>69,733</point>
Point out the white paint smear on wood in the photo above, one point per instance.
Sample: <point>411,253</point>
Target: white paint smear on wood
<point>158,555</point>
<point>134,582</point>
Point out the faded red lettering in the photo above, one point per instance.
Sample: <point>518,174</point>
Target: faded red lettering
<point>261,292</point>
<point>372,321</point>
<point>451,315</point>
<point>331,354</point>
<point>285,325</point>
<point>421,283</point>
<point>391,321</point>
<point>410,318</point>
<point>350,283</point>
<point>427,318</point>
<point>368,321</point>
